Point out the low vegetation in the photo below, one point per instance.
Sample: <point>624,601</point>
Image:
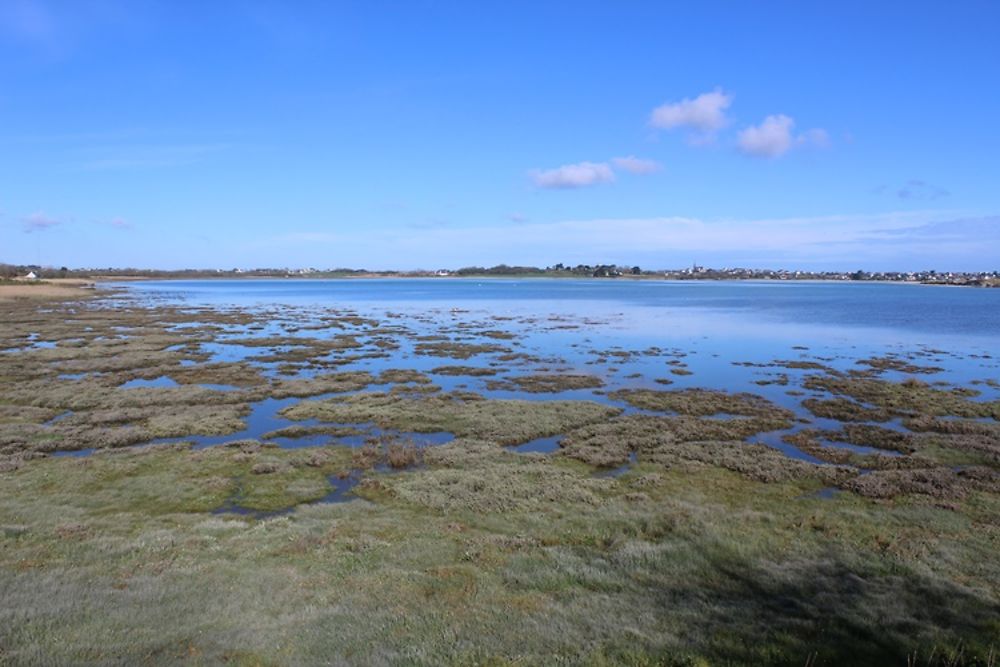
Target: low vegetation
<point>661,530</point>
<point>464,415</point>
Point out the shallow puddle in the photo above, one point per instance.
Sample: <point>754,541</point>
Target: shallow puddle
<point>538,445</point>
<point>633,458</point>
<point>160,382</point>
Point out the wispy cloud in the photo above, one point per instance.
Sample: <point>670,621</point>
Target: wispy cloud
<point>635,165</point>
<point>814,138</point>
<point>116,223</point>
<point>38,222</point>
<point>703,115</point>
<point>924,239</point>
<point>569,176</point>
<point>586,174</point>
<point>774,137</point>
<point>914,189</point>
<point>431,223</point>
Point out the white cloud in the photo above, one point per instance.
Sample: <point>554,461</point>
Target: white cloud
<point>119,223</point>
<point>635,165</point>
<point>705,114</point>
<point>772,138</point>
<point>37,222</point>
<point>581,175</point>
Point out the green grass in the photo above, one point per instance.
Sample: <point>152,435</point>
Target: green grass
<point>484,557</point>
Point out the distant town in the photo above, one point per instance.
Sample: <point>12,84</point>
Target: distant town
<point>693,272</point>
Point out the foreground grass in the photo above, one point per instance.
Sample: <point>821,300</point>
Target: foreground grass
<point>115,559</point>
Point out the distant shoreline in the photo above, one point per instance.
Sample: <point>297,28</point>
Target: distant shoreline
<point>648,278</point>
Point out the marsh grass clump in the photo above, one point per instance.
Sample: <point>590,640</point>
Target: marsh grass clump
<point>610,443</point>
<point>322,383</point>
<point>456,349</point>
<point>893,363</point>
<point>333,430</point>
<point>412,390</point>
<point>972,441</point>
<point>687,441</point>
<point>97,394</point>
<point>127,426</point>
<point>701,402</point>
<point>470,371</point>
<point>402,454</point>
<point>542,383</point>
<point>25,414</point>
<point>821,445</point>
<point>505,422</point>
<point>387,450</point>
<point>910,398</point>
<point>779,379</point>
<point>926,423</point>
<point>870,435</point>
<point>941,483</point>
<point>239,374</point>
<point>802,364</point>
<point>497,334</point>
<point>402,376</point>
<point>753,461</point>
<point>845,410</point>
<point>503,486</point>
<point>165,479</point>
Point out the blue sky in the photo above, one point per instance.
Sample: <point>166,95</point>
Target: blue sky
<point>441,134</point>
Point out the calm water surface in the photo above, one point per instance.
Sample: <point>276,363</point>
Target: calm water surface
<point>831,311</point>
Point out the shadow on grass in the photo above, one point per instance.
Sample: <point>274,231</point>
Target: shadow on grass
<point>828,613</point>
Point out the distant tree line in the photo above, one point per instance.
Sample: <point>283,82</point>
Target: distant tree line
<point>9,271</point>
